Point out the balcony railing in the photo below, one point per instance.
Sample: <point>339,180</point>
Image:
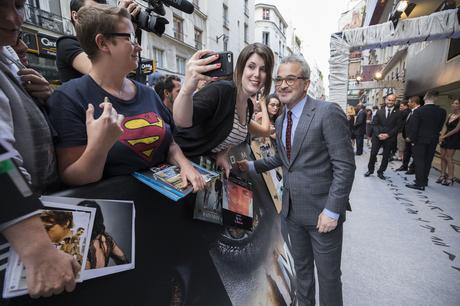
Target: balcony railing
<point>198,45</point>
<point>47,20</point>
<point>179,35</point>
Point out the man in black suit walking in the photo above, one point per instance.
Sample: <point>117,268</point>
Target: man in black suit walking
<point>414,103</point>
<point>426,123</point>
<point>385,127</point>
<point>360,128</point>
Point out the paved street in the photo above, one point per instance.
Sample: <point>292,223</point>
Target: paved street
<point>401,246</point>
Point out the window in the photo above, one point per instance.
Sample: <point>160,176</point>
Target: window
<point>245,32</point>
<point>178,28</point>
<point>226,44</point>
<point>180,64</point>
<point>266,14</point>
<point>225,15</point>
<point>266,38</point>
<point>454,48</point>
<point>198,39</point>
<point>158,56</point>
<point>246,8</point>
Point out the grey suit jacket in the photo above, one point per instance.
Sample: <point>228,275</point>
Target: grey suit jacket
<point>322,166</point>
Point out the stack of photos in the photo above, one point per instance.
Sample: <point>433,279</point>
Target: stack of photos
<point>167,180</point>
<point>99,234</point>
<point>237,203</point>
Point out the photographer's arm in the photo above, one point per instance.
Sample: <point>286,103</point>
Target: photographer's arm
<point>194,72</point>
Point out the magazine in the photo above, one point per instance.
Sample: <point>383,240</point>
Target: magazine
<point>116,218</point>
<point>273,178</point>
<point>237,203</point>
<point>167,180</point>
<point>90,223</point>
<point>208,202</point>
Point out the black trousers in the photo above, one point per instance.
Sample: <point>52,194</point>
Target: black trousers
<point>423,157</point>
<point>407,156</point>
<point>376,145</point>
<point>359,144</point>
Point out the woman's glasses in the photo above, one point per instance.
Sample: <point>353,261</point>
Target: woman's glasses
<point>132,37</point>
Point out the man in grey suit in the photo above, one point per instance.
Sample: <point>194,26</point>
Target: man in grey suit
<point>316,155</point>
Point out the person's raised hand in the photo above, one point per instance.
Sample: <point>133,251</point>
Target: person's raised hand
<point>196,67</point>
<point>35,84</point>
<point>49,271</point>
<point>104,131</point>
<point>132,7</point>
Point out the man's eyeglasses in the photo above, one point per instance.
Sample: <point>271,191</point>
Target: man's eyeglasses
<point>290,80</point>
<point>131,36</point>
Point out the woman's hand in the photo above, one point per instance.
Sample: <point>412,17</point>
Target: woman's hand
<point>35,84</point>
<point>104,131</point>
<point>222,162</point>
<point>195,69</point>
<point>190,175</point>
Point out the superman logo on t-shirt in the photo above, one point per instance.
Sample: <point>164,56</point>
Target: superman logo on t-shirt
<point>143,134</point>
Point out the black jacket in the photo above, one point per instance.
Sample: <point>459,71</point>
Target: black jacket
<point>425,124</point>
<point>390,125</point>
<point>360,123</point>
<point>213,114</point>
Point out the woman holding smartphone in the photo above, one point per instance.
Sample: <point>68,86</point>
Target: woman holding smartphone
<point>218,117</point>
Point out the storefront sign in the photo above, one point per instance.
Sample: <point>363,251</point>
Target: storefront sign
<point>47,45</point>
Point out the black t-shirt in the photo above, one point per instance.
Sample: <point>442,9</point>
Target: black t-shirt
<point>67,48</point>
<point>147,127</point>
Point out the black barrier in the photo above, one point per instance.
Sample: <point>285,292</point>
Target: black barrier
<point>181,261</point>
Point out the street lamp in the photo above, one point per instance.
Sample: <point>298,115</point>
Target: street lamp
<point>402,5</point>
<point>378,76</point>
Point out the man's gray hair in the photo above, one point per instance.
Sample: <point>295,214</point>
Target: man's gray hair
<point>301,61</point>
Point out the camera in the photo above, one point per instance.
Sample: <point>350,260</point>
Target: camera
<point>150,22</point>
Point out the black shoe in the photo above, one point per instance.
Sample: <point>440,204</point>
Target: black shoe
<point>415,186</point>
<point>410,172</point>
<point>381,176</point>
<point>368,173</point>
<point>402,168</point>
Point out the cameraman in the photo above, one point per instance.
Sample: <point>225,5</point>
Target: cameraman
<point>72,62</point>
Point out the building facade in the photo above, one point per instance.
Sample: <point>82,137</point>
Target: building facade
<point>215,25</point>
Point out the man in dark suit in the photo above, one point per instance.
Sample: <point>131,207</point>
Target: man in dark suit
<point>426,123</point>
<point>414,103</point>
<point>316,156</point>
<point>385,127</point>
<point>360,128</point>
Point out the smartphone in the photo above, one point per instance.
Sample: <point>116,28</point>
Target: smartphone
<point>226,68</point>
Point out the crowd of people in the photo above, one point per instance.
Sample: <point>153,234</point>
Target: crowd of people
<point>99,124</point>
<point>408,131</point>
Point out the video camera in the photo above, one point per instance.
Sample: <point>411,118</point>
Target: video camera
<point>150,22</point>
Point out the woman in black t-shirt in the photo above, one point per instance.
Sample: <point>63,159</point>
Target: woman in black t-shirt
<point>128,128</point>
<point>218,116</point>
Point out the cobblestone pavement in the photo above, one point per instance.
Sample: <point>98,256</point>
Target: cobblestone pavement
<point>401,246</point>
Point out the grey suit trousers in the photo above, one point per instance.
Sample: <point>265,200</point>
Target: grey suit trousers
<point>310,248</point>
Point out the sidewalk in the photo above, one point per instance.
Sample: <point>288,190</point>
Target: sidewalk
<point>401,246</point>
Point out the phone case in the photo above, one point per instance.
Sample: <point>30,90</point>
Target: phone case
<point>226,59</point>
